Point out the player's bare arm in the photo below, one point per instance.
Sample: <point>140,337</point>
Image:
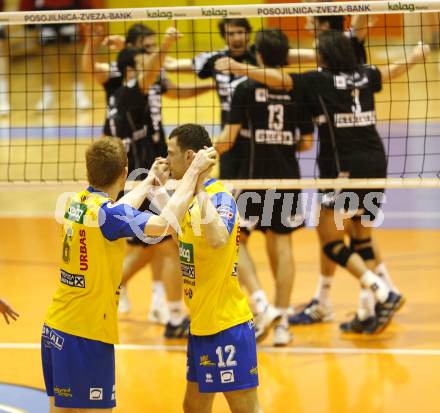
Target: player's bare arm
<point>273,78</point>
<point>226,138</point>
<point>171,216</point>
<point>394,70</point>
<point>150,65</point>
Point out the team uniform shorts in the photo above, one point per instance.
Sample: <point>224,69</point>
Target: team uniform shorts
<point>279,211</point>
<point>225,361</point>
<point>78,372</point>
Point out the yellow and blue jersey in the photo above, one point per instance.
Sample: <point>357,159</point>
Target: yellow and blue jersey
<point>86,301</point>
<point>211,288</point>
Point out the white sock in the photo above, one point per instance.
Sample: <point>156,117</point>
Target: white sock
<point>259,300</point>
<point>366,304</point>
<point>284,320</point>
<point>176,312</point>
<point>323,290</point>
<point>380,290</point>
<point>382,271</point>
<point>158,294</point>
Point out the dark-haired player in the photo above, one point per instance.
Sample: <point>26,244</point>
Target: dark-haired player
<point>222,356</point>
<point>341,98</point>
<point>319,308</point>
<point>278,128</point>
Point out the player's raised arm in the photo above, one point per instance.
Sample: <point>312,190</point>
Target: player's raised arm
<point>95,37</point>
<point>394,70</point>
<point>151,64</point>
<point>218,212</point>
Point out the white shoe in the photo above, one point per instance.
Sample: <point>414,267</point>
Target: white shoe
<point>4,108</point>
<point>159,315</point>
<point>45,102</point>
<point>264,322</point>
<point>124,302</point>
<point>82,101</point>
<point>281,336</point>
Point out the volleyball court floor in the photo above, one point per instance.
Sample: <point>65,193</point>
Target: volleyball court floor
<point>322,371</point>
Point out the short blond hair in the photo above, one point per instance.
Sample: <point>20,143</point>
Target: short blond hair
<point>105,161</point>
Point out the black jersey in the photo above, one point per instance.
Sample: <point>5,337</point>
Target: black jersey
<point>153,100</point>
<point>343,107</point>
<point>275,121</point>
<point>358,46</point>
<point>204,65</point>
<point>129,119</point>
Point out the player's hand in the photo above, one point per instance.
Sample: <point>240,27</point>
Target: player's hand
<point>7,311</point>
<point>95,32</point>
<point>228,65</point>
<point>115,42</point>
<point>159,172</point>
<point>171,36</point>
<point>419,53</point>
<point>204,160</point>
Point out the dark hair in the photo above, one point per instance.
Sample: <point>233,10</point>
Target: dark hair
<point>191,136</point>
<point>334,22</point>
<point>126,58</point>
<point>234,22</point>
<point>137,31</point>
<point>336,52</point>
<point>105,161</point>
<point>273,45</point>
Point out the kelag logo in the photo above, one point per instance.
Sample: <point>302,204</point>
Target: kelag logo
<point>186,253</point>
<point>401,6</point>
<point>15,398</point>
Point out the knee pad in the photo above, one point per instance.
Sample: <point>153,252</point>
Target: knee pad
<point>338,252</point>
<point>363,248</point>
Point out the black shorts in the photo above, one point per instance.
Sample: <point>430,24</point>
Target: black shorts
<point>278,211</point>
<point>357,202</point>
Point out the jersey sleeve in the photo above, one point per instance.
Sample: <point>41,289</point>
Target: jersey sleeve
<point>122,221</point>
<point>204,65</point>
<point>239,104</point>
<point>375,78</point>
<point>226,208</point>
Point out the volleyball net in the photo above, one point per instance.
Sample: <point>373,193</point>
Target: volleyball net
<point>53,101</point>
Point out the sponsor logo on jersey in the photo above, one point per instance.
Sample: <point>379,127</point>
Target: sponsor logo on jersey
<point>205,362</point>
<point>73,280</point>
<point>96,393</point>
<point>208,378</point>
<point>52,338</point>
<point>63,392</point>
<point>83,260</point>
<point>227,376</point>
<point>76,212</point>
<point>186,253</point>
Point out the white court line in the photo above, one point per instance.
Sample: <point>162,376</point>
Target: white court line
<point>263,349</point>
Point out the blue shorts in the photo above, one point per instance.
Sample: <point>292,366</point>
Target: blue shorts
<point>78,372</point>
<point>225,361</point>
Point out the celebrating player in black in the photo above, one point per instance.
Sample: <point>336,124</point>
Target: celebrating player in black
<point>277,129</point>
<point>236,33</point>
<point>341,98</point>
